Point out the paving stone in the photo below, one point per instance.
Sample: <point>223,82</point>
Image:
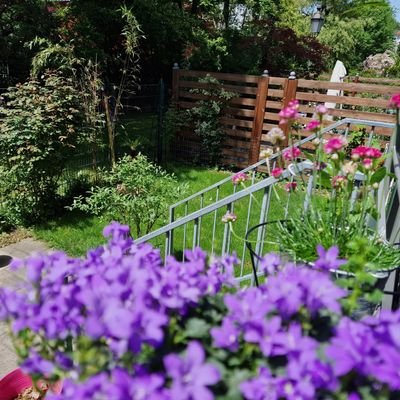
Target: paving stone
<point>8,359</point>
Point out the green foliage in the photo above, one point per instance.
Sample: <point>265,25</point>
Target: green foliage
<point>41,123</point>
<point>355,35</point>
<point>20,22</point>
<point>359,137</point>
<point>136,192</point>
<point>174,122</point>
<point>206,114</point>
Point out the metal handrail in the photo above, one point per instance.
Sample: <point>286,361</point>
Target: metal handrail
<point>219,204</point>
<point>190,223</point>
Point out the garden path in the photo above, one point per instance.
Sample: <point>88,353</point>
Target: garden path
<point>22,249</point>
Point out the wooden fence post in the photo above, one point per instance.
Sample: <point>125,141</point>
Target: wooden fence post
<point>258,121</point>
<point>289,94</point>
<point>175,82</point>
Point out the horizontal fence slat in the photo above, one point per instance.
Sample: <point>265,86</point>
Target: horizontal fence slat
<point>274,80</point>
<point>235,153</point>
<point>389,81</point>
<point>239,112</point>
<point>238,133</point>
<point>236,122</point>
<point>353,101</point>
<point>348,87</point>
<point>272,116</point>
<point>276,105</point>
<point>362,115</point>
<point>236,143</point>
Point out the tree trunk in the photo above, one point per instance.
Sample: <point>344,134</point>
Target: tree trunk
<point>225,13</point>
<point>195,7</point>
<point>110,130</point>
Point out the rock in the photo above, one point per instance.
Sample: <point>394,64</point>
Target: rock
<point>378,62</point>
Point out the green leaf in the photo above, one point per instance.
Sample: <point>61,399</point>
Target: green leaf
<point>197,328</point>
<point>378,175</point>
<point>325,179</point>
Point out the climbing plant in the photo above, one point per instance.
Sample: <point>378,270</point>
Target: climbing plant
<point>206,116</point>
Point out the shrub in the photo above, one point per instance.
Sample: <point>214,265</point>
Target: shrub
<point>136,192</point>
<point>142,330</point>
<point>206,114</point>
<point>40,125</point>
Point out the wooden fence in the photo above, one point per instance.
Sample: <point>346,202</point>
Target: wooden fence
<point>254,111</point>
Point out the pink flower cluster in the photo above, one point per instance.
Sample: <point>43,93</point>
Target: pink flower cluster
<point>229,217</point>
<point>339,181</point>
<point>291,186</point>
<point>334,144</point>
<point>277,172</point>
<point>289,112</point>
<point>395,101</point>
<point>365,152</point>
<point>291,153</point>
<point>321,109</point>
<point>313,125</point>
<point>239,178</point>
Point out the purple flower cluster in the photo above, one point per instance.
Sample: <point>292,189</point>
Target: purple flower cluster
<point>121,294</point>
<point>189,377</point>
<point>369,348</point>
<point>128,317</point>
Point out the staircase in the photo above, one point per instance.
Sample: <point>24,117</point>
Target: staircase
<point>196,220</point>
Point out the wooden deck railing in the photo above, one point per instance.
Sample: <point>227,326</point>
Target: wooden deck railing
<point>251,114</point>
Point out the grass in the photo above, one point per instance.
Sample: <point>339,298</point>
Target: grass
<point>75,232</point>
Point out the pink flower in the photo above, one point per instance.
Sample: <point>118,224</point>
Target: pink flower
<point>365,152</point>
<point>239,178</point>
<point>334,144</point>
<point>229,217</point>
<point>290,186</point>
<point>276,172</point>
<point>372,152</point>
<point>289,112</point>
<point>339,181</point>
<point>294,104</point>
<point>291,153</point>
<point>312,125</point>
<point>367,162</point>
<point>395,101</point>
<point>321,109</point>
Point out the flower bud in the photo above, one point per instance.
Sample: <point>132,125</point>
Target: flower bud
<point>316,141</point>
<point>335,156</point>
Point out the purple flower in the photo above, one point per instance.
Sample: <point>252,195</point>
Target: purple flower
<point>270,263</point>
<point>190,374</point>
<point>35,364</point>
<point>227,336</point>
<point>350,348</point>
<point>296,287</point>
<point>265,334</point>
<point>263,387</point>
<point>328,259</point>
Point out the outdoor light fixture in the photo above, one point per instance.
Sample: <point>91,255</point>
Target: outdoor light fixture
<point>317,20</point>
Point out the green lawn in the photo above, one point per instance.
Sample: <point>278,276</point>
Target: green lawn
<point>75,232</point>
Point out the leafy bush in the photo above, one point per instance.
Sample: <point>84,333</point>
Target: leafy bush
<point>206,114</point>
<point>136,192</point>
<point>40,125</point>
<point>185,330</point>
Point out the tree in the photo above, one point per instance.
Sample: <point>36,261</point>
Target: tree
<point>366,32</point>
<point>20,22</point>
